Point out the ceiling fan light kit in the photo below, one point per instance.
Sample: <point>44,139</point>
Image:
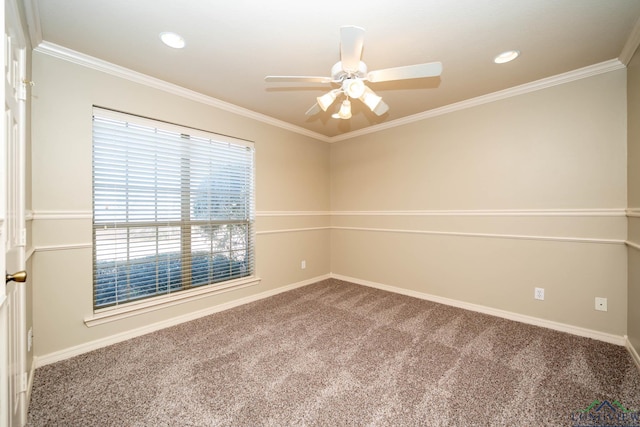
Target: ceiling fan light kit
<point>344,112</point>
<point>327,99</point>
<point>370,99</point>
<point>354,88</point>
<point>351,73</point>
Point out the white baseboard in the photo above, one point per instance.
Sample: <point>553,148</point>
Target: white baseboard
<point>633,352</point>
<point>549,324</point>
<point>113,339</point>
<point>123,336</point>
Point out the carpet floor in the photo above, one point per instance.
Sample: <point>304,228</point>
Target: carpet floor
<point>336,354</point>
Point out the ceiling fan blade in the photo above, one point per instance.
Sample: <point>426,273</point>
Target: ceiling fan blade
<point>298,79</point>
<point>315,109</point>
<point>351,43</point>
<point>430,69</point>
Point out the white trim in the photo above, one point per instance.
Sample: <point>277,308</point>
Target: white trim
<point>28,215</point>
<point>633,212</point>
<point>64,215</point>
<point>81,215</point>
<point>388,230</point>
<point>67,353</point>
<point>631,44</point>
<point>78,58</point>
<point>486,212</point>
<point>530,320</point>
<point>632,352</point>
<point>581,73</point>
<point>292,213</point>
<point>78,246</point>
<point>291,230</point>
<point>487,235</point>
<point>68,247</point>
<point>161,302</point>
<point>632,245</point>
<point>29,254</point>
<point>61,215</point>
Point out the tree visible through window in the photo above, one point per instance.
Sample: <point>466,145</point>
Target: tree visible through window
<point>172,208</point>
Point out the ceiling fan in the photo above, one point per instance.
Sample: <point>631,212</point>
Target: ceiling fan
<point>350,73</point>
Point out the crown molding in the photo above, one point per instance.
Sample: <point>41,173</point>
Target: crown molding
<point>78,58</point>
<point>631,45</point>
<point>581,73</point>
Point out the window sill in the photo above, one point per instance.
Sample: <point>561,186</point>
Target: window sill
<point>113,314</point>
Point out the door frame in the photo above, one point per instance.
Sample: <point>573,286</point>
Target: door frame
<point>13,359</point>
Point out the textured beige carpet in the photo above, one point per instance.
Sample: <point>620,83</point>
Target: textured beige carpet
<point>334,353</point>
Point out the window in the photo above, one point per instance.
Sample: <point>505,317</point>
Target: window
<point>172,209</point>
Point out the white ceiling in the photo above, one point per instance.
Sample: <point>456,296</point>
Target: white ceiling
<point>233,45</point>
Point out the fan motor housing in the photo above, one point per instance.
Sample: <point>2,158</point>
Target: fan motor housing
<point>338,73</point>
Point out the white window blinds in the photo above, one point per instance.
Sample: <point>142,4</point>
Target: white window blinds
<point>172,208</point>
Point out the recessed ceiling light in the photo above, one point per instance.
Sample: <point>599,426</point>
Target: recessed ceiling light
<point>507,56</point>
<point>173,40</point>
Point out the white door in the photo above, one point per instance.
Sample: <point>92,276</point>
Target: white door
<point>12,214</point>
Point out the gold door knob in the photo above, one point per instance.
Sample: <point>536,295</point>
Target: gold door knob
<point>20,276</point>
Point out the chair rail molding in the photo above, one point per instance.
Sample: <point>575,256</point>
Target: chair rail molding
<point>488,235</point>
<point>619,212</point>
<point>61,215</point>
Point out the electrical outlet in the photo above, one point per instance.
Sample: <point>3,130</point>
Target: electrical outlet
<point>538,293</point>
<point>303,264</point>
<point>601,304</point>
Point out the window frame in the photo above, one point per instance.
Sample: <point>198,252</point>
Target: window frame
<point>186,292</point>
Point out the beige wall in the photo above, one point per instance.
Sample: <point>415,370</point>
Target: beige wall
<point>561,149</point>
<point>633,168</point>
<point>292,180</point>
<point>480,205</point>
